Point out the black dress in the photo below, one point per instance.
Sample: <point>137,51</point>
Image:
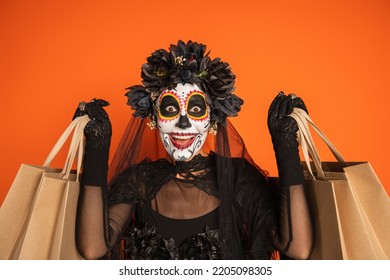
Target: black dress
<point>159,237</point>
<point>151,235</point>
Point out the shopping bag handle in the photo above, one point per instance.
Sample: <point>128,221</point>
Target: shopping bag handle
<point>77,145</point>
<point>308,147</point>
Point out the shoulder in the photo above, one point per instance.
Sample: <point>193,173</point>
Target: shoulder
<point>140,182</point>
<point>252,183</point>
<point>246,170</point>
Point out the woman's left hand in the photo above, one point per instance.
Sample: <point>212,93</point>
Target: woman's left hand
<point>279,123</point>
<point>283,130</point>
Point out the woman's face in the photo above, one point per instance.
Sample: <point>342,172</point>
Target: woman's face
<point>183,120</point>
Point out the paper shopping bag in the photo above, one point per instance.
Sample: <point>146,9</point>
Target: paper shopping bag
<point>16,207</point>
<point>342,227</point>
<point>374,204</point>
<point>340,230</point>
<point>64,243</point>
<point>38,212</point>
<point>50,233</point>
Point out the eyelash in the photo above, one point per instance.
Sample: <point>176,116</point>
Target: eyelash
<point>195,107</point>
<point>169,107</point>
<point>174,109</point>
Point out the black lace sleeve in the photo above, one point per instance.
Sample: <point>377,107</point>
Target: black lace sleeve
<point>99,222</point>
<point>104,213</point>
<point>294,235</point>
<point>258,203</point>
<point>273,218</point>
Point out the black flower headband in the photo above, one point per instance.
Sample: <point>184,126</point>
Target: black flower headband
<point>185,63</point>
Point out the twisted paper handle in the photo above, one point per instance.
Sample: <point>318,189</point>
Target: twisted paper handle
<point>308,147</point>
<point>76,145</point>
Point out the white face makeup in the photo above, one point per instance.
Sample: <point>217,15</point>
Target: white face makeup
<point>183,120</point>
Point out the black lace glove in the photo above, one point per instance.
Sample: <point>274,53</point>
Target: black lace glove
<point>98,138</point>
<point>283,130</point>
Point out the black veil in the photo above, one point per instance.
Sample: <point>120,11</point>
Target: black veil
<point>139,142</point>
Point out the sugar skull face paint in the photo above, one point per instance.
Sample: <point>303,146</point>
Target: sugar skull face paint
<point>183,120</point>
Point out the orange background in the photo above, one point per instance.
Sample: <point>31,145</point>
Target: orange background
<point>333,53</point>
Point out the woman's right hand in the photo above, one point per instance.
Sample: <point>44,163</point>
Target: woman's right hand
<point>98,133</point>
<point>98,128</point>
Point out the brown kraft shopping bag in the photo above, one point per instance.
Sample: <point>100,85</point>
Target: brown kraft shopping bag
<point>374,204</point>
<point>30,191</point>
<point>16,207</point>
<point>343,230</point>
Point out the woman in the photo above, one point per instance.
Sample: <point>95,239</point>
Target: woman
<point>186,188</point>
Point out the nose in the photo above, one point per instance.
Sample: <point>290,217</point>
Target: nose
<point>183,122</point>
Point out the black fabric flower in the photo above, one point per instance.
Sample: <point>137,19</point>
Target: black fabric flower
<point>186,63</point>
<point>203,246</point>
<point>139,100</point>
<point>157,73</point>
<point>146,244</point>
